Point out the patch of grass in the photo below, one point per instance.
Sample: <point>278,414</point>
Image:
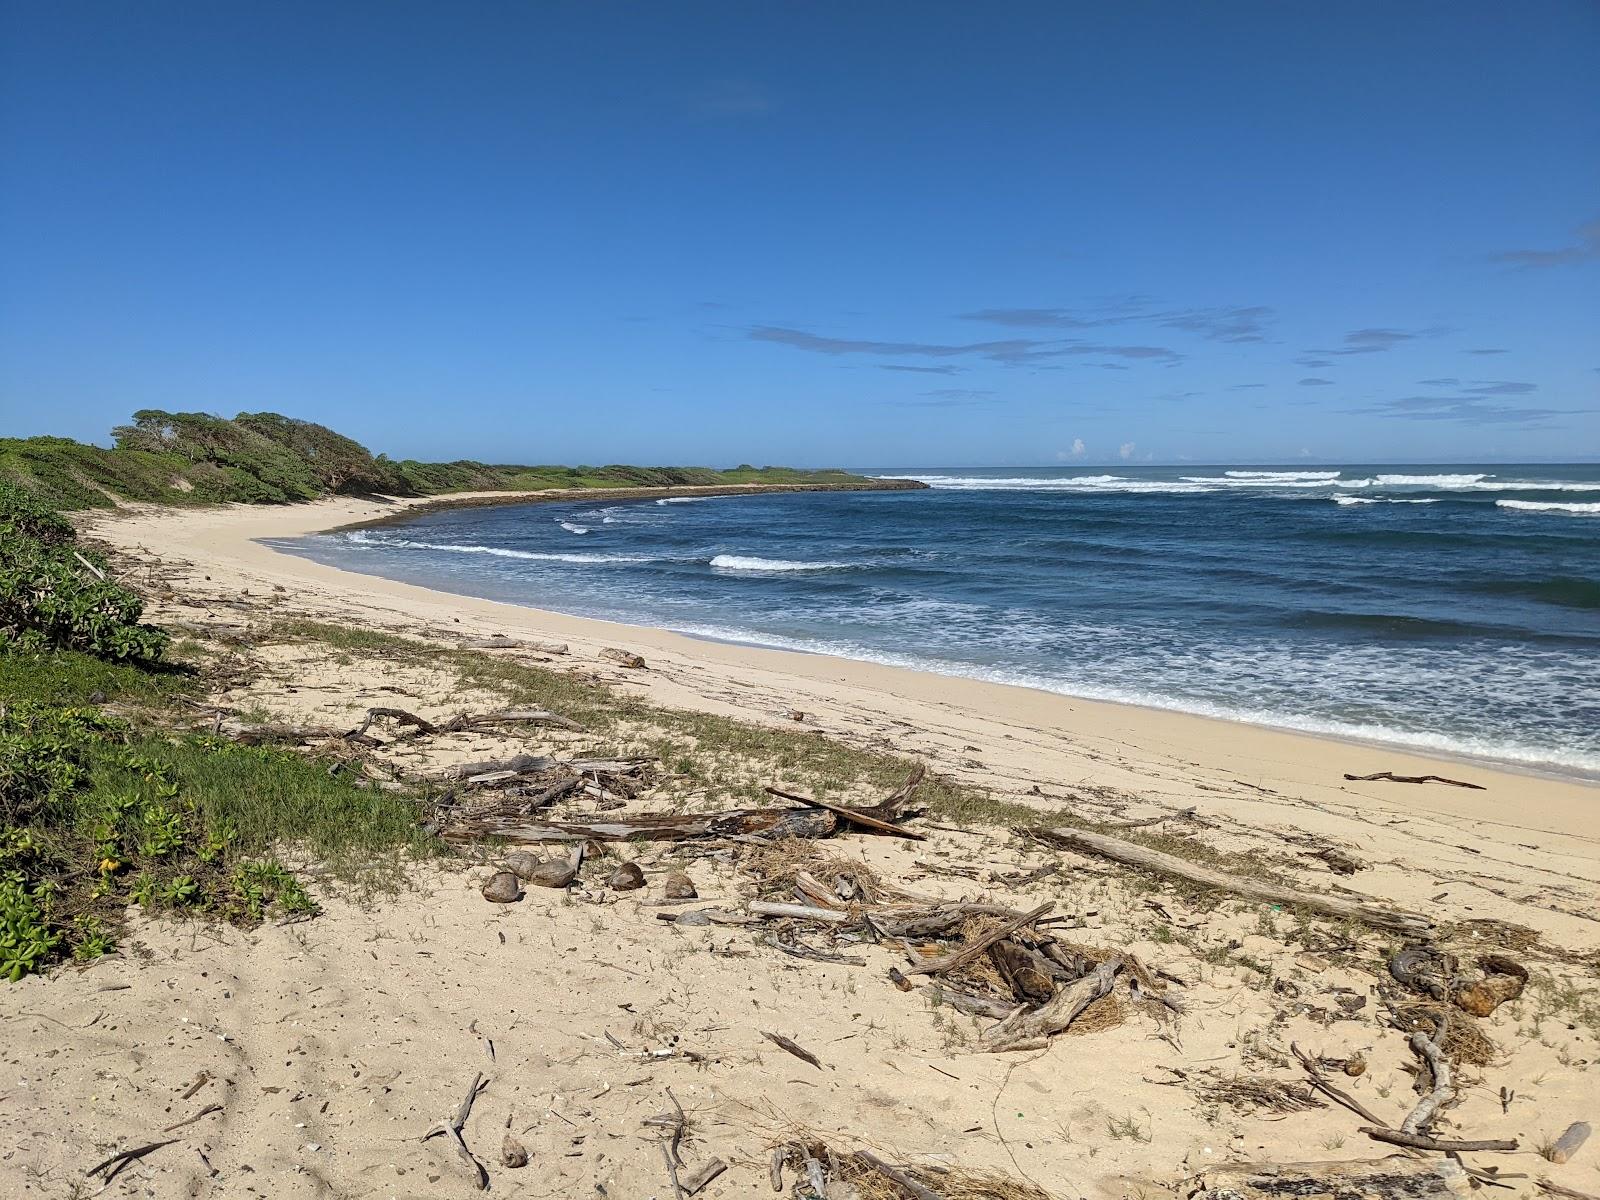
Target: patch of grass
<point>729,758</point>
<point>1127,1128</point>
<point>69,677</point>
<point>98,811</point>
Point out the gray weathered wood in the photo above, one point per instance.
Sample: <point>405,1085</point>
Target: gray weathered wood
<point>1134,855</point>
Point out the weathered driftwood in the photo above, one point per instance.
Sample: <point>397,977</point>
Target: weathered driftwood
<point>1391,777</point>
<point>624,658</point>
<point>1555,1189</point>
<point>501,642</point>
<point>267,735</point>
<point>466,722</point>
<point>1443,1091</point>
<point>531,764</point>
<point>1421,1141</point>
<point>1031,1029</point>
<point>658,827</point>
<point>864,819</point>
<point>1398,1177</point>
<point>803,912</point>
<point>1569,1143</point>
<point>457,1122</point>
<point>896,1176</point>
<point>1134,855</point>
<point>762,823</point>
<point>695,1182</point>
<point>794,1048</point>
<point>975,948</point>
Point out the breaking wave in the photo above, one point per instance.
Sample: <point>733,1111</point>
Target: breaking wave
<point>741,562</point>
<point>1348,500</point>
<point>1585,510</point>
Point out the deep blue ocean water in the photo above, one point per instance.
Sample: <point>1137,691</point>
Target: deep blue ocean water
<point>1446,608</point>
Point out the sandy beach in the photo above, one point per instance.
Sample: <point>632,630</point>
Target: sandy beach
<point>332,1046</point>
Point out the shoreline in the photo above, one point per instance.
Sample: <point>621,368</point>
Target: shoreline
<point>417,506</point>
<point>1439,756</point>
<point>1064,737</point>
<point>1543,769</point>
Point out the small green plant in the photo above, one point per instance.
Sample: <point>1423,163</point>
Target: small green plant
<point>1128,1128</point>
<point>258,885</point>
<point>26,939</point>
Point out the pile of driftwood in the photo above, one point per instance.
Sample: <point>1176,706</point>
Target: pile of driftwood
<point>980,958</point>
<point>485,799</point>
<point>802,819</point>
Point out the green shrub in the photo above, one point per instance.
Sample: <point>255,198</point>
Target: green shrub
<point>55,595</point>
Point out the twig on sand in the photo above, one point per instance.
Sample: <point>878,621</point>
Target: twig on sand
<point>204,1112</point>
<point>1391,777</point>
<point>794,1048</point>
<point>113,1165</point>
<point>452,1129</point>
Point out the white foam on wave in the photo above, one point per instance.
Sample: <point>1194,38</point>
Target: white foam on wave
<point>1436,481</point>
<point>571,528</point>
<point>1274,481</point>
<point>1281,474</point>
<point>683,500</point>
<point>1551,506</point>
<point>742,562</point>
<point>1074,483</point>
<point>1494,749</point>
<point>360,538</point>
<point>1348,500</point>
<point>1230,481</point>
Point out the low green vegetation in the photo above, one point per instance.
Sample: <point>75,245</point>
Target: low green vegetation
<point>54,595</point>
<point>103,804</point>
<point>265,458</point>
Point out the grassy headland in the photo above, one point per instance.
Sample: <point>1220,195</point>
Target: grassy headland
<point>265,458</point>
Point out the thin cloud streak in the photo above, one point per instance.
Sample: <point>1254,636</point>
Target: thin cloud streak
<point>1585,249</point>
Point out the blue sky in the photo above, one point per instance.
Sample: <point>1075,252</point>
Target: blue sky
<point>811,233</point>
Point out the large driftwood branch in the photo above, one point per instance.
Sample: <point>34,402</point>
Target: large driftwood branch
<point>1134,855</point>
<point>1399,1177</point>
<point>865,820</point>
<point>658,827</point>
<point>1391,777</point>
<point>1419,1141</point>
<point>977,946</point>
<point>1031,1029</point>
<point>765,823</point>
<point>466,722</point>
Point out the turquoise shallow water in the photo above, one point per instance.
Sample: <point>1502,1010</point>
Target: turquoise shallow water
<point>1447,608</point>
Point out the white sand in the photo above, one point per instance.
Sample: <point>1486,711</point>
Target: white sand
<point>334,1044</point>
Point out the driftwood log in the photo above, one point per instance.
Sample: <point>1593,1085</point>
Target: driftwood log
<point>1399,1177</point>
<point>466,722</point>
<point>1031,1029</point>
<point>1134,855</point>
<point>764,823</point>
<point>1391,777</point>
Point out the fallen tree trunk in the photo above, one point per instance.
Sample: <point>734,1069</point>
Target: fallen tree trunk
<point>1134,855</point>
<point>466,722</point>
<point>1398,1177</point>
<point>661,827</point>
<point>529,764</point>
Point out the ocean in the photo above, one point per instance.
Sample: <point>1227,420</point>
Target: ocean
<point>1449,609</point>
